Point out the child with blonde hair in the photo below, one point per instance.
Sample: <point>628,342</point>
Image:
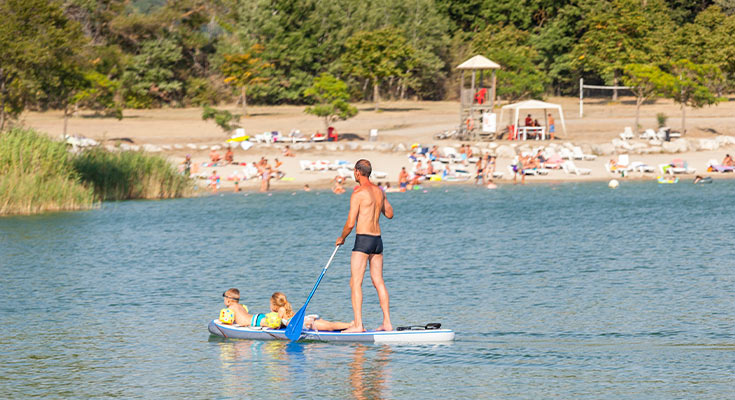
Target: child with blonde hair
<point>280,305</point>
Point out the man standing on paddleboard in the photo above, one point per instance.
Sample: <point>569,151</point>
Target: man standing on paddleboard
<point>366,204</point>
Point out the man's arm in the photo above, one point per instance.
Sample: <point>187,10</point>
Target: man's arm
<point>351,218</point>
<point>387,208</point>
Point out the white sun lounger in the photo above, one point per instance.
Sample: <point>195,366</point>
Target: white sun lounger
<point>627,133</point>
<point>579,155</point>
<point>570,168</point>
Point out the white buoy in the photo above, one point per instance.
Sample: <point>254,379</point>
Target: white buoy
<point>613,184</point>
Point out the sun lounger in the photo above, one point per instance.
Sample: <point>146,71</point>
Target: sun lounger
<point>527,171</point>
<point>627,133</point>
<point>579,155</point>
<point>716,167</point>
<point>569,168</point>
<point>321,165</point>
<point>306,165</point>
<point>379,175</point>
<point>676,166</point>
<point>565,153</point>
<point>640,167</point>
<point>554,162</point>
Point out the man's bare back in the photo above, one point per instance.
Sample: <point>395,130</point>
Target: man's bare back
<point>371,200</point>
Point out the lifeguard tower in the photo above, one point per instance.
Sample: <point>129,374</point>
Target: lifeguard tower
<point>476,102</point>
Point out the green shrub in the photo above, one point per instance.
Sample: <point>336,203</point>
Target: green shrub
<point>661,119</point>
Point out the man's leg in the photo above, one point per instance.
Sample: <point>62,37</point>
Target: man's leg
<point>376,274</point>
<point>358,261</point>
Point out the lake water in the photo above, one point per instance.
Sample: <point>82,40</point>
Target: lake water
<point>554,290</point>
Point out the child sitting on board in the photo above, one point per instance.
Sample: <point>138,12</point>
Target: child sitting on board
<point>241,314</point>
<point>280,305</point>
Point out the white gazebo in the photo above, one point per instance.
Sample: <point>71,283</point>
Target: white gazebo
<point>534,105</point>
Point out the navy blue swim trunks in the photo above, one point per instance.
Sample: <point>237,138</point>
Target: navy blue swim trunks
<point>368,244</point>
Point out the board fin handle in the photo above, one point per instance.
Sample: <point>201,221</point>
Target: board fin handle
<point>427,327</point>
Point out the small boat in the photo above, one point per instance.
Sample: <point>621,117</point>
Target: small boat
<point>430,333</point>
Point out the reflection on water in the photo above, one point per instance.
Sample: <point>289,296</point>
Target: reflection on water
<point>368,376</point>
<point>277,366</point>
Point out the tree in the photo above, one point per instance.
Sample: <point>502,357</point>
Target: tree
<point>520,76</point>
<point>223,118</point>
<point>646,81</point>
<point>36,43</point>
<point>689,87</point>
<point>619,32</point>
<point>331,95</point>
<point>376,55</point>
<point>245,69</point>
<point>99,95</point>
<point>150,79</point>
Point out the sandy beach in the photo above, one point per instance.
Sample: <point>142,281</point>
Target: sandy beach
<point>175,133</point>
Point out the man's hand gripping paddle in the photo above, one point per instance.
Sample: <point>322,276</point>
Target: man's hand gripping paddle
<point>296,325</point>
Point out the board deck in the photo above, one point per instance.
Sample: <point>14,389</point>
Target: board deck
<point>408,336</point>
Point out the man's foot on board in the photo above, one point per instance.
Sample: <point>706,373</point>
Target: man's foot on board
<point>354,328</point>
<point>385,327</point>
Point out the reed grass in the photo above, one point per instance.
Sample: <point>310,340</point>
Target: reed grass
<point>130,175</point>
<point>37,175</point>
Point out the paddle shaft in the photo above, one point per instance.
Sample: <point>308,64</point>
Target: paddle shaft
<point>321,276</point>
<point>296,325</point>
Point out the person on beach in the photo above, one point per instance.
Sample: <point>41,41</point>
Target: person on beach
<point>366,204</point>
<point>265,171</point>
<point>489,168</point>
<point>187,166</point>
<point>728,161</point>
<point>214,156</point>
<point>214,181</point>
<point>552,127</point>
<point>229,156</point>
<point>402,179</point>
<point>307,188</point>
<point>338,188</point>
<point>287,152</point>
<point>280,305</point>
<point>528,121</point>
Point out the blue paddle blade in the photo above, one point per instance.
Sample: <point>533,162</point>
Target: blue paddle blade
<point>296,325</point>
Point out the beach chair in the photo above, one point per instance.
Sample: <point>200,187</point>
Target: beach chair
<point>648,134</point>
<point>640,167</point>
<point>306,165</point>
<point>321,165</point>
<point>565,153</point>
<point>379,174</point>
<point>621,166</point>
<point>577,153</point>
<point>569,168</point>
<point>450,154</point>
<point>337,164</point>
<point>627,133</point>
<point>554,161</point>
<point>295,136</point>
<point>715,166</point>
<point>676,166</point>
